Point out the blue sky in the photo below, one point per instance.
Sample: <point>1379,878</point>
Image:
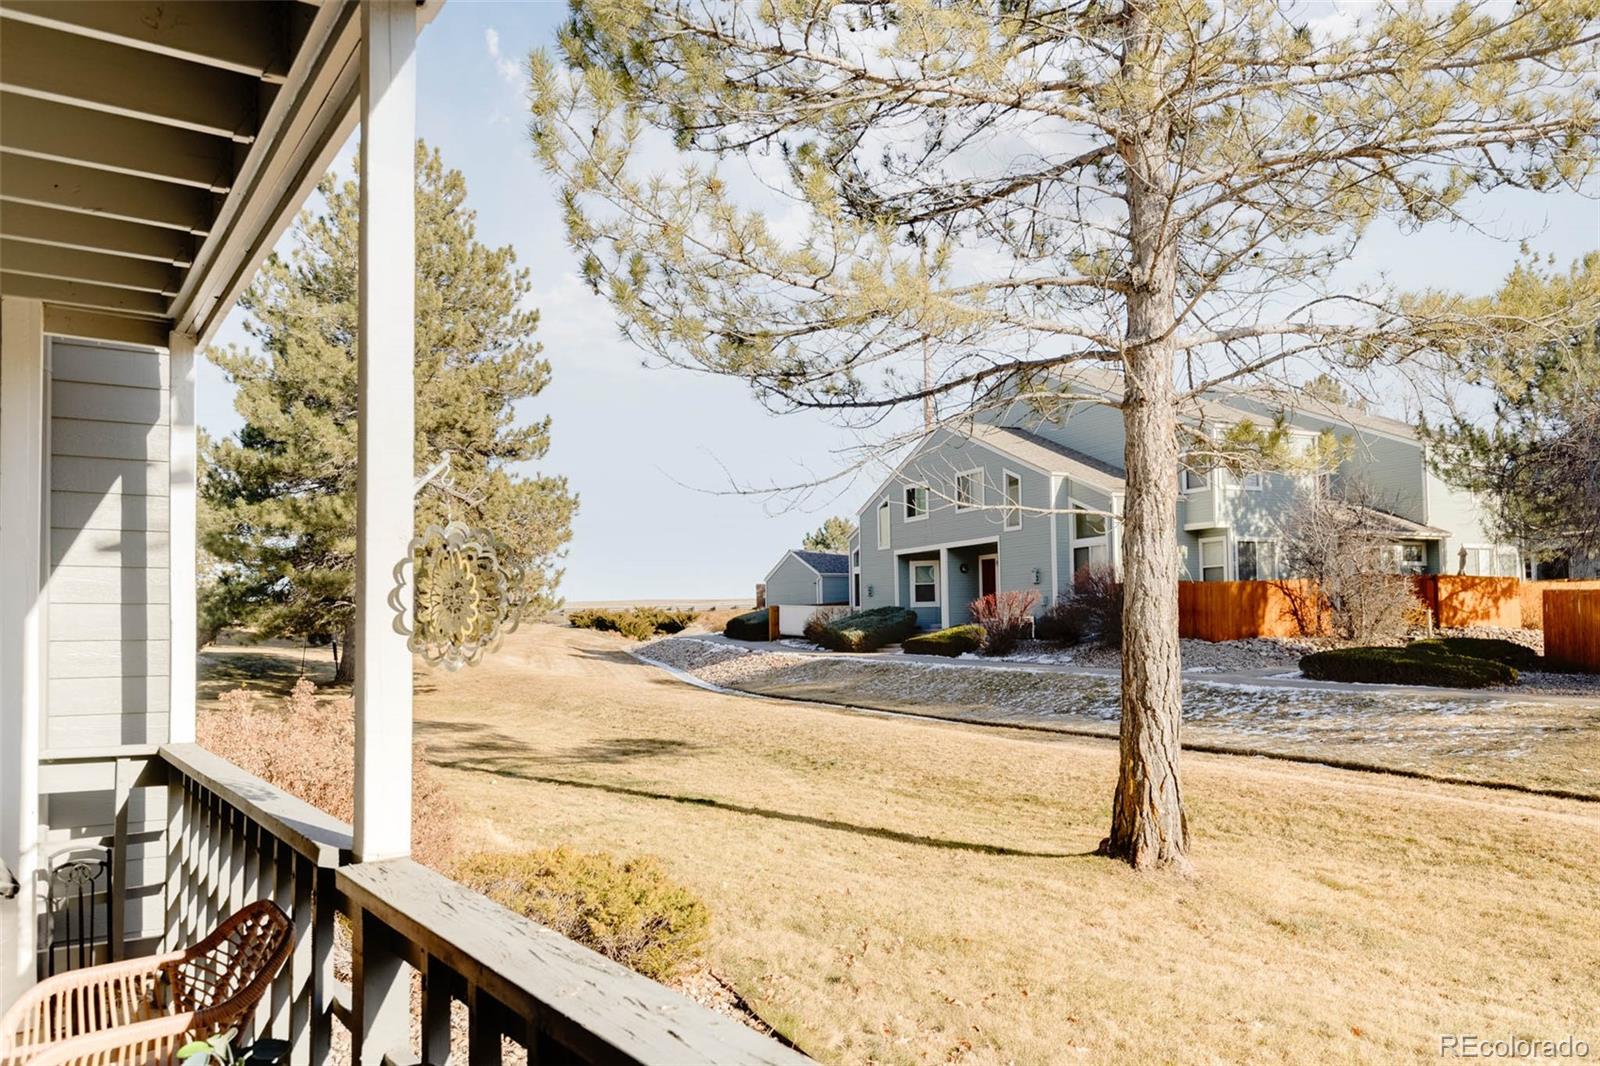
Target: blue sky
<point>653,452</point>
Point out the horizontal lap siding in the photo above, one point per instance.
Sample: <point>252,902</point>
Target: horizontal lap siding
<point>792,582</point>
<point>108,643</point>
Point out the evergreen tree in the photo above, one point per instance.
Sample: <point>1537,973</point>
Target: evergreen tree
<point>1536,458</point>
<point>278,508</point>
<point>832,536</point>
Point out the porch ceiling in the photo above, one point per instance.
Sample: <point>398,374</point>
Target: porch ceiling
<point>151,153</point>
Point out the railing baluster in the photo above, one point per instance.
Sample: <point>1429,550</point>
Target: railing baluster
<point>282,871</point>
<point>438,985</point>
<point>301,985</point>
<point>381,984</point>
<point>483,1028</point>
<point>177,843</point>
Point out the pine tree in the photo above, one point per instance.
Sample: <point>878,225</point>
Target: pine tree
<point>1536,458</point>
<point>832,536</point>
<point>278,501</point>
<point>980,193</point>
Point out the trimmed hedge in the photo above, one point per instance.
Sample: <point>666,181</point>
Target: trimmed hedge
<point>752,625</point>
<point>1509,652</point>
<point>868,630</point>
<point>1410,665</point>
<point>957,640</point>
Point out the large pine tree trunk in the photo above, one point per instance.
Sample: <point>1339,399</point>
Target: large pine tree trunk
<point>1148,827</point>
<point>345,670</point>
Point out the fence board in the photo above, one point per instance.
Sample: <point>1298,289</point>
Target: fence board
<point>1461,600</point>
<point>1533,598</point>
<point>1238,610</point>
<point>1572,629</point>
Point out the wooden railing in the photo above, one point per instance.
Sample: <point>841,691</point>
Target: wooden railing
<point>232,838</point>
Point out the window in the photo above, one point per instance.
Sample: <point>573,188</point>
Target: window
<point>1478,559</point>
<point>1088,555</point>
<point>916,503</point>
<point>855,558</point>
<point>1257,560</point>
<point>1088,526</point>
<point>1252,482</point>
<point>883,524</point>
<point>969,490</point>
<point>1213,561</point>
<point>1194,480</point>
<point>925,584</point>
<point>1013,493</point>
<point>1411,558</point>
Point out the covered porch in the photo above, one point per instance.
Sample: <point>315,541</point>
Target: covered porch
<point>151,155</point>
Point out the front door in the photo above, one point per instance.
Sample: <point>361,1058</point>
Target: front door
<point>988,575</point>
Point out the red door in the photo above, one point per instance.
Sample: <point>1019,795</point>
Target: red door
<point>988,576</point>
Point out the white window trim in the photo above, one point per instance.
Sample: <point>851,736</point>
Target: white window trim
<point>927,499</point>
<point>1005,501</point>
<point>911,583</point>
<point>1105,532</point>
<point>1190,485</point>
<point>976,473</point>
<point>884,516</point>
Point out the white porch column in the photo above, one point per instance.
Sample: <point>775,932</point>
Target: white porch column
<point>944,588</point>
<point>181,515</point>
<point>22,524</point>
<point>386,419</point>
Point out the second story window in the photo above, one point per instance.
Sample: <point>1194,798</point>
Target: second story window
<point>969,490</point>
<point>1088,526</point>
<point>916,502</point>
<point>1013,494</point>
<point>1195,480</point>
<point>1252,482</point>
<point>883,524</point>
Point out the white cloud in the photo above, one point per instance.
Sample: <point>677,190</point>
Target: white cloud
<point>510,71</point>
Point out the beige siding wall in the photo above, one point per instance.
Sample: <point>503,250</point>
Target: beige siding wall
<point>108,651</point>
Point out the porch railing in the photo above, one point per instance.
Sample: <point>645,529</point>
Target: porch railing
<point>232,838</point>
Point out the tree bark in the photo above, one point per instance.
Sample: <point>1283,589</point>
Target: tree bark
<point>344,650</point>
<point>1148,826</point>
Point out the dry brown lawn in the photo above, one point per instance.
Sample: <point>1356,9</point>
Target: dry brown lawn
<point>893,890</point>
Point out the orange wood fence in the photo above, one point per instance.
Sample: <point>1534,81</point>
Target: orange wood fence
<point>1572,629</point>
<point>1236,610</point>
<point>1459,600</point>
<point>1533,598</point>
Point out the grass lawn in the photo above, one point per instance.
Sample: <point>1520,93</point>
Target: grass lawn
<point>892,890</point>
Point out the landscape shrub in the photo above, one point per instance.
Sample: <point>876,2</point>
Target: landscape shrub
<point>820,618</point>
<point>868,630</point>
<point>1062,623</point>
<point>640,623</point>
<point>1006,618</point>
<point>630,911</point>
<point>305,744</point>
<point>752,625</point>
<point>1509,652</point>
<point>1410,665</point>
<point>957,640</point>
<point>1097,596</point>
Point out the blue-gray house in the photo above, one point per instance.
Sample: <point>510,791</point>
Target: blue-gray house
<point>1023,498</point>
<point>807,577</point>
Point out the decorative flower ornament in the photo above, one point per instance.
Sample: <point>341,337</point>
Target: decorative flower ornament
<point>466,596</point>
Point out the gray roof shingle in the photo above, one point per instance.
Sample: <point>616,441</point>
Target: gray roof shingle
<point>825,562</point>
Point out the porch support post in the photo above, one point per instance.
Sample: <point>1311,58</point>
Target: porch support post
<point>22,524</point>
<point>386,420</point>
<point>944,588</point>
<point>181,516</point>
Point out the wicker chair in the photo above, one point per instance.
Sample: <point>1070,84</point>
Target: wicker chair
<point>143,1010</point>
